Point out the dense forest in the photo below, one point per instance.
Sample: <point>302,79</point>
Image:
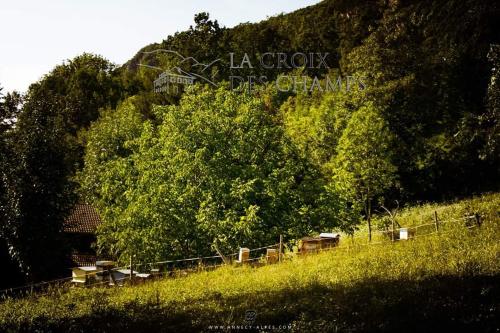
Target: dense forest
<point>174,175</point>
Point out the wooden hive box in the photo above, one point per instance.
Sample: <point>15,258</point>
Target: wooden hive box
<point>316,244</point>
<point>244,255</point>
<point>271,256</point>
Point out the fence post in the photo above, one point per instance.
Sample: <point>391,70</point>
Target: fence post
<point>200,264</point>
<point>478,219</point>
<point>392,236</point>
<point>436,222</point>
<point>224,259</point>
<point>131,269</point>
<point>281,248</point>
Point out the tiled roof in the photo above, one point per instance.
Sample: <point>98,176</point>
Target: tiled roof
<point>80,260</point>
<point>83,219</point>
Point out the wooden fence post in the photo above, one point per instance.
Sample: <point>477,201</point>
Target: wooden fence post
<point>392,236</point>
<point>200,264</point>
<point>131,269</point>
<point>436,222</point>
<point>281,248</point>
<point>224,259</point>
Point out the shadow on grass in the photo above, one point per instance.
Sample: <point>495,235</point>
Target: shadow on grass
<point>440,304</point>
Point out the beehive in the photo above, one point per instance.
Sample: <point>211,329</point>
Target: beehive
<point>271,256</point>
<point>83,275</point>
<point>244,254</point>
<point>315,244</point>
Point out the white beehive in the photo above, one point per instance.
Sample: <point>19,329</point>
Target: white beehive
<point>403,233</point>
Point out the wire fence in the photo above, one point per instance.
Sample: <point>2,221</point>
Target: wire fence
<point>99,278</point>
<point>470,221</point>
<point>182,267</point>
<point>354,245</point>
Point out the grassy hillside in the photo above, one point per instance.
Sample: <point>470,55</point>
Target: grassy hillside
<point>421,218</point>
<point>440,282</point>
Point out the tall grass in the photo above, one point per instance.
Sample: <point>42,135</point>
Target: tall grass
<point>486,205</point>
<point>447,280</point>
<point>421,218</point>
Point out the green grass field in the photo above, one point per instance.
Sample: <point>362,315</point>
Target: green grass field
<point>444,282</point>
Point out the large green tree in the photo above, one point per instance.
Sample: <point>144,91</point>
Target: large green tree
<point>217,170</point>
<point>363,168</point>
<point>37,190</point>
<point>9,108</point>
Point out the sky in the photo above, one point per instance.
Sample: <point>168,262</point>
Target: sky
<point>37,35</point>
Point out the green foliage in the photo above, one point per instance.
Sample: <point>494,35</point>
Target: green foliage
<point>362,168</point>
<point>40,155</point>
<point>414,133</point>
<point>425,65</point>
<point>109,173</point>
<point>218,169</point>
<point>37,191</point>
<point>362,165</point>
<point>315,122</point>
<point>106,145</point>
<point>234,170</point>
<point>9,109</point>
<point>445,282</point>
<point>207,41</point>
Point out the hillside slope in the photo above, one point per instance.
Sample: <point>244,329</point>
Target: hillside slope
<point>448,281</point>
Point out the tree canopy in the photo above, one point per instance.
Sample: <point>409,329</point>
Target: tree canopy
<point>218,169</point>
<point>173,175</point>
